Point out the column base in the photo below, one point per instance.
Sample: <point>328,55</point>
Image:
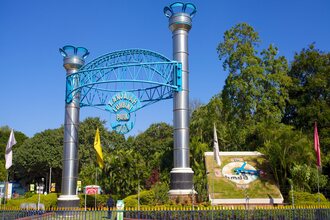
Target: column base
<point>183,199</point>
<point>182,186</point>
<point>67,201</point>
<point>181,181</point>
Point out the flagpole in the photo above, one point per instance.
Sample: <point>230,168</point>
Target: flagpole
<point>99,156</point>
<point>6,190</point>
<point>318,157</point>
<point>95,186</point>
<point>9,158</point>
<point>318,185</point>
<point>96,139</point>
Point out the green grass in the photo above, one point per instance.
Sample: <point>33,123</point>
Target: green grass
<point>222,188</point>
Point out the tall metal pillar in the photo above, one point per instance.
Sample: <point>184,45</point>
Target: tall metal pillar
<point>74,58</point>
<point>180,22</point>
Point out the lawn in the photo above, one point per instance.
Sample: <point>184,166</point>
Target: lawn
<point>222,188</point>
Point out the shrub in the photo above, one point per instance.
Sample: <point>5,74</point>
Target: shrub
<point>49,201</point>
<point>147,197</point>
<point>306,198</point>
<point>161,193</point>
<point>101,200</point>
<point>28,194</point>
<point>156,196</point>
<point>130,201</point>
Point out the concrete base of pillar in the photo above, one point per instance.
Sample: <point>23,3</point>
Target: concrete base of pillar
<point>181,181</point>
<point>181,197</point>
<point>66,201</point>
<point>182,186</point>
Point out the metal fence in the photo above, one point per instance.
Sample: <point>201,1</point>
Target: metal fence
<point>192,214</point>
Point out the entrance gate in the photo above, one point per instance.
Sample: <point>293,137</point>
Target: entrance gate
<point>122,77</point>
<point>123,82</point>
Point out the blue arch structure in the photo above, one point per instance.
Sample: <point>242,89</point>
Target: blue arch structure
<point>150,76</point>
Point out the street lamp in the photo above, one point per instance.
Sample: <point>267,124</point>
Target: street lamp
<point>42,185</point>
<point>40,189</point>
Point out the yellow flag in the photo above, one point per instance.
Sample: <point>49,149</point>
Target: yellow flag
<point>98,148</point>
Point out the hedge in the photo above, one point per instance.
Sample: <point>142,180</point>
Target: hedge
<point>306,198</point>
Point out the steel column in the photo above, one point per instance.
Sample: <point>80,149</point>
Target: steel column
<point>181,175</point>
<point>72,63</point>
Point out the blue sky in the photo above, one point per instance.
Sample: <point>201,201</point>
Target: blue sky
<point>33,80</point>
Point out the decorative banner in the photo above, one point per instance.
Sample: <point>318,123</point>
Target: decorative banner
<point>32,187</point>
<point>9,190</point>
<point>53,187</point>
<point>79,186</point>
<point>123,105</point>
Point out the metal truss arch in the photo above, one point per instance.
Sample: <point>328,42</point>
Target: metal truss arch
<point>149,75</point>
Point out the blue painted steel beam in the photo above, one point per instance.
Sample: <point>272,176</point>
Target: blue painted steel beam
<point>149,75</point>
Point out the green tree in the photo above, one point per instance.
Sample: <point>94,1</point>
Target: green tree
<point>4,136</point>
<point>310,95</point>
<point>256,88</point>
<point>306,178</point>
<point>310,91</point>
<point>89,171</point>
<point>242,88</point>
<point>203,118</point>
<point>155,145</point>
<point>198,123</point>
<point>272,103</point>
<point>36,155</point>
<point>193,105</point>
<point>45,149</point>
<point>109,141</point>
<point>124,172</point>
<point>197,150</point>
<point>284,148</point>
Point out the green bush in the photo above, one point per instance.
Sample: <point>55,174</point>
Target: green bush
<point>156,196</point>
<point>49,201</point>
<point>306,198</point>
<point>130,201</point>
<point>161,193</point>
<point>101,200</point>
<point>147,197</point>
<point>28,194</point>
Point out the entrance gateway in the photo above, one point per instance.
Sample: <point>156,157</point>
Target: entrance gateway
<point>123,82</point>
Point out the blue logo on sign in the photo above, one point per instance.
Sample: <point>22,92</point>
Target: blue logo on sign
<point>123,105</point>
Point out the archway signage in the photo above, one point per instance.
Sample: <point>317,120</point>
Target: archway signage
<point>123,105</point>
<point>122,82</point>
<point>128,79</point>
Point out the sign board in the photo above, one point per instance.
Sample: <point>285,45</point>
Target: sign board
<point>243,173</point>
<point>92,189</point>
<point>40,189</point>
<point>32,187</point>
<point>53,187</point>
<point>120,208</point>
<point>2,190</point>
<point>79,186</point>
<point>9,190</point>
<point>123,105</point>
